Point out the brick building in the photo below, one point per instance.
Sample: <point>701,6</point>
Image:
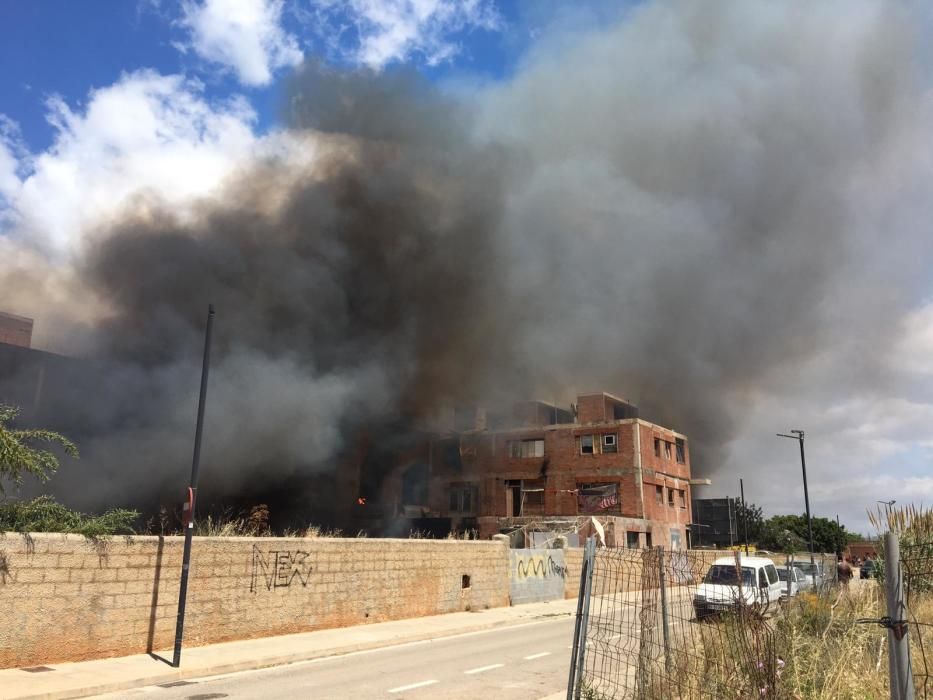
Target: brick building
<point>15,330</point>
<point>549,467</point>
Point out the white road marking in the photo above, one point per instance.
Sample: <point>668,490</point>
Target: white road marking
<point>377,650</point>
<point>483,668</point>
<point>537,656</point>
<point>403,688</point>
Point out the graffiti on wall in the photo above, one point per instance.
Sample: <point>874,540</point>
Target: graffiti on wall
<point>279,569</point>
<point>539,566</point>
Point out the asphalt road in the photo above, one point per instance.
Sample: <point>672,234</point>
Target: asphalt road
<point>522,662</point>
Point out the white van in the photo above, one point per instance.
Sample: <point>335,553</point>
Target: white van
<point>727,586</point>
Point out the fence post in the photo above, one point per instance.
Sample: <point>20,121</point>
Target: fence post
<point>583,613</point>
<point>588,587</point>
<point>902,680</point>
<point>665,624</point>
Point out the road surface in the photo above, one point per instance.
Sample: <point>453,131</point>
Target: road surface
<point>521,662</point>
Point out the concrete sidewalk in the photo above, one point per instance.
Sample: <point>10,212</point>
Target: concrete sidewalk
<point>76,680</point>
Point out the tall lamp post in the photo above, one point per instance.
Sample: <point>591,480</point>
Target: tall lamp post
<point>798,436</point>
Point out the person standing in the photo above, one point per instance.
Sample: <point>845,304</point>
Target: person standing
<point>844,572</point>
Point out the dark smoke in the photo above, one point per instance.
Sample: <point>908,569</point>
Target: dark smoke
<point>681,209</point>
<point>369,294</point>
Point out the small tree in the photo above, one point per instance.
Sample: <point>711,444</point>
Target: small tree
<point>19,454</point>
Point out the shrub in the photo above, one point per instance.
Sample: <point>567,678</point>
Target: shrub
<point>45,514</point>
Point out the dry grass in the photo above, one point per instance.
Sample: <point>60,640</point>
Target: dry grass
<point>826,654</point>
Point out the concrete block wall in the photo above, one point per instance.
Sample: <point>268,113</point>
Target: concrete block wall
<point>64,598</point>
<point>536,575</point>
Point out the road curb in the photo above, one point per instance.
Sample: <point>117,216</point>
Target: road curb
<point>172,675</point>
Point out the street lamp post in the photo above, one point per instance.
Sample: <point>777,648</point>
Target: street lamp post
<point>798,436</point>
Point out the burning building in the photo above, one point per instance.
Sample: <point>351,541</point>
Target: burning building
<point>544,468</point>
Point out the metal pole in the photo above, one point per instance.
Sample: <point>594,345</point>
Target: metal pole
<point>744,515</point>
<point>697,517</point>
<point>806,498</point>
<point>902,682</point>
<point>665,627</point>
<point>577,627</point>
<point>193,491</point>
<point>730,507</point>
<point>591,555</point>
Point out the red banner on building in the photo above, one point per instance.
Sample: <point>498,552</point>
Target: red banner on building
<point>598,498</point>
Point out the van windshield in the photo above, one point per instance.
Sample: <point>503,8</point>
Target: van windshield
<point>725,575</point>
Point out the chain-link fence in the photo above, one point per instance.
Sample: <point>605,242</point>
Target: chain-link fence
<point>917,568</point>
<point>650,627</point>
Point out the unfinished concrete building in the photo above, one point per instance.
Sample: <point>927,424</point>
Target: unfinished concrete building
<point>549,469</point>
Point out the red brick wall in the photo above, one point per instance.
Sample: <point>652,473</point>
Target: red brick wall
<point>488,461</point>
<point>15,330</point>
<point>669,474</point>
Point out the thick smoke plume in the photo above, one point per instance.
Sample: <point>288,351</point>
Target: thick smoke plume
<point>680,209</point>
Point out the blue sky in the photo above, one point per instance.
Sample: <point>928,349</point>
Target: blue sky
<point>66,49</point>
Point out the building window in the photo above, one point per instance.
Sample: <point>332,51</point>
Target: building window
<point>657,447</point>
<point>610,444</point>
<point>670,497</point>
<point>683,498</point>
<point>522,449</point>
<point>631,540</point>
<point>461,499</point>
<point>586,445</point>
<point>648,540</point>
<point>681,451</point>
<point>667,450</point>
<point>533,496</point>
<point>675,539</point>
<point>598,498</point>
<point>659,495</point>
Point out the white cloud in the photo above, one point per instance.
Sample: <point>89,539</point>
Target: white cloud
<point>395,30</point>
<point>146,132</point>
<point>148,137</point>
<point>244,35</point>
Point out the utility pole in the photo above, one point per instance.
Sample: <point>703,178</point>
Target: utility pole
<point>193,491</point>
<point>744,515</point>
<point>798,436</point>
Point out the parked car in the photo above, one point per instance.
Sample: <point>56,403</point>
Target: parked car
<point>754,581</point>
<point>813,574</point>
<point>867,570</point>
<point>797,578</point>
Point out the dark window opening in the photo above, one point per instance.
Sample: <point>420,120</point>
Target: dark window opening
<point>514,498</point>
<point>659,495</point>
<point>657,447</point>
<point>631,540</point>
<point>523,449</point>
<point>667,450</point>
<point>586,445</point>
<point>415,485</point>
<point>533,496</point>
<point>670,497</point>
<point>461,498</point>
<point>681,451</point>
<point>465,581</point>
